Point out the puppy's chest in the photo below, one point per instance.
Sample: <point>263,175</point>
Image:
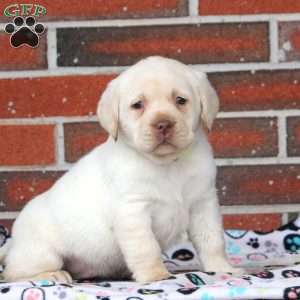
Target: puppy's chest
<point>170,215</point>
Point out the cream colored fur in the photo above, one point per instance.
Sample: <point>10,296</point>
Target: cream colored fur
<point>127,200</point>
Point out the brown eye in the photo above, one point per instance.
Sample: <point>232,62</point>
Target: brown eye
<point>180,100</point>
<point>137,105</point>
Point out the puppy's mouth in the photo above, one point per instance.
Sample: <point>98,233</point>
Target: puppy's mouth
<point>164,147</point>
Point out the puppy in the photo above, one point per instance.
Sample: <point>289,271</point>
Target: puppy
<point>130,198</point>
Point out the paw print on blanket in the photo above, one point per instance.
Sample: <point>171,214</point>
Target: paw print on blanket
<point>43,283</point>
<point>183,254</point>
<point>195,279</point>
<point>232,248</point>
<point>292,243</point>
<point>290,273</point>
<point>292,293</point>
<point>187,290</point>
<point>60,292</point>
<point>270,246</point>
<point>253,242</point>
<point>33,294</point>
<point>257,256</point>
<point>236,234</point>
<point>264,274</point>
<point>4,290</point>
<point>149,291</point>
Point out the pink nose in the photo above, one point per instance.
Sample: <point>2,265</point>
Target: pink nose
<point>163,127</point>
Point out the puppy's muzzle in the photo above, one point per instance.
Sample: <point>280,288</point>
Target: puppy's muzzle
<point>163,129</point>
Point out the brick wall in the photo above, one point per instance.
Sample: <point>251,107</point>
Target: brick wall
<point>250,48</point>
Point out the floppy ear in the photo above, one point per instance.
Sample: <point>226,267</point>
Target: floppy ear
<point>108,109</point>
<point>209,100</point>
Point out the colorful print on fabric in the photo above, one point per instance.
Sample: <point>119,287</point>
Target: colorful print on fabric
<point>263,255</point>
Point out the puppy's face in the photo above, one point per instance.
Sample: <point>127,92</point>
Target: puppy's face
<point>158,113</point>
<point>157,105</point>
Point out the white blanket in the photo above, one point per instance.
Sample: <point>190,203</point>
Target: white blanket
<point>262,254</point>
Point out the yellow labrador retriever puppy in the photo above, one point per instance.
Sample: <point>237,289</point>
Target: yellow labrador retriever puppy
<point>135,195</point>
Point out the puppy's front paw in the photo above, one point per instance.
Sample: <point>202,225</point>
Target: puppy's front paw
<point>58,276</point>
<point>224,267</point>
<point>153,274</point>
<point>233,270</point>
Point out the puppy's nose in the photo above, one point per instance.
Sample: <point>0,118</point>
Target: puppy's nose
<point>163,127</point>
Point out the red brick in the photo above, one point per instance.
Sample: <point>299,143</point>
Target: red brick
<point>237,7</point>
<point>7,223</point>
<point>289,41</point>
<point>247,137</point>
<point>17,188</point>
<point>208,43</point>
<point>80,138</point>
<point>27,145</point>
<point>24,57</point>
<point>264,184</point>
<point>293,136</point>
<point>51,96</point>
<point>259,90</point>
<point>106,9</point>
<point>259,222</point>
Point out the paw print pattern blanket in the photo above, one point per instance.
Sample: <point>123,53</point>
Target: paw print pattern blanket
<point>272,261</point>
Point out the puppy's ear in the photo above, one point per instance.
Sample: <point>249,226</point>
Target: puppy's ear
<point>108,109</point>
<point>209,100</point>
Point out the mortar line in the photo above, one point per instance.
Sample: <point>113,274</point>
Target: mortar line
<point>193,7</point>
<point>52,48</point>
<point>170,21</point>
<point>111,70</point>
<point>93,118</point>
<point>284,218</point>
<point>260,208</point>
<point>282,136</point>
<point>60,145</point>
<point>273,35</point>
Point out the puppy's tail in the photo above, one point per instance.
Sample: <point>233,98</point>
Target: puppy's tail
<point>4,249</point>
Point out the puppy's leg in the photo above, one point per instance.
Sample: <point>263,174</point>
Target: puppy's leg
<point>206,233</point>
<point>137,242</point>
<point>34,261</point>
<point>58,276</point>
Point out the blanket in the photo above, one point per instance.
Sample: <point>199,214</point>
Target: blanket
<point>271,259</point>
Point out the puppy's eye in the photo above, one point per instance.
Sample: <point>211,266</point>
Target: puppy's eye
<point>180,100</point>
<point>137,105</point>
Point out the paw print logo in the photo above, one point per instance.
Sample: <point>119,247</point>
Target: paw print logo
<point>253,242</point>
<point>24,32</point>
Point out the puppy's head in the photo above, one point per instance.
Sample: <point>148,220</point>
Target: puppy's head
<point>157,106</point>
